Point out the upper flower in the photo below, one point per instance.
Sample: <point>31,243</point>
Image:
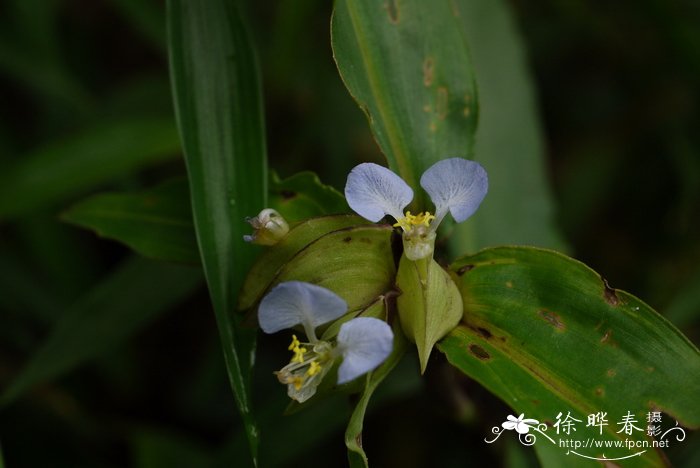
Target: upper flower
<point>455,185</point>
<point>363,343</point>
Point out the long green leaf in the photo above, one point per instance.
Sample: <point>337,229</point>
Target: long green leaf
<point>64,169</point>
<point>218,105</point>
<point>156,223</point>
<point>115,310</point>
<point>518,208</point>
<point>406,64</point>
<point>547,334</point>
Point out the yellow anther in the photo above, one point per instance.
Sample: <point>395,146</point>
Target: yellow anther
<point>408,221</point>
<point>314,368</point>
<point>295,343</point>
<point>298,354</point>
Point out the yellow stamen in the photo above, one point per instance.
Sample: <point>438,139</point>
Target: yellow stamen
<point>295,343</point>
<point>298,382</point>
<point>314,368</point>
<point>408,221</point>
<point>298,354</point>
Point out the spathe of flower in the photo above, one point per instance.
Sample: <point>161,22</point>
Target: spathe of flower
<point>455,185</point>
<point>363,343</point>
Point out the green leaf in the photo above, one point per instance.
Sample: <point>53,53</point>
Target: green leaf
<point>120,306</point>
<point>303,196</point>
<point>518,208</point>
<point>547,334</point>
<point>357,457</point>
<point>64,169</point>
<point>406,64</point>
<point>218,105</point>
<point>156,223</point>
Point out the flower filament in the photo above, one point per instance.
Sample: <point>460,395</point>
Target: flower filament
<point>306,369</point>
<point>409,220</point>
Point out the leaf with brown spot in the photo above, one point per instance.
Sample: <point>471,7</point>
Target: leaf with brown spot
<point>397,61</point>
<point>568,359</point>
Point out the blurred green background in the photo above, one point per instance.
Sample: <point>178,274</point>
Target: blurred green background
<point>86,108</point>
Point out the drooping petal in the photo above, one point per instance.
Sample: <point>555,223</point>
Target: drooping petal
<point>365,342</point>
<point>457,185</point>
<point>295,302</point>
<point>373,192</point>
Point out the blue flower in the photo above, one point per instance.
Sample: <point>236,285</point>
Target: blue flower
<point>362,343</point>
<point>455,185</point>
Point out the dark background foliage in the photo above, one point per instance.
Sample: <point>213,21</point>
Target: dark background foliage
<point>618,89</point>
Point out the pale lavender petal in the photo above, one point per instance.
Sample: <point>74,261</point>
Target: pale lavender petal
<point>295,302</point>
<point>373,191</point>
<point>457,185</point>
<point>365,342</point>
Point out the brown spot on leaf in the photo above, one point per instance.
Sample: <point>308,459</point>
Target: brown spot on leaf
<point>455,8</point>
<point>287,194</point>
<point>611,372</point>
<point>347,239</point>
<point>484,332</point>
<point>599,391</point>
<point>428,70</point>
<point>365,240</point>
<point>610,294</point>
<point>552,318</point>
<point>608,339</point>
<point>392,8</point>
<point>464,269</point>
<point>509,284</point>
<point>479,352</point>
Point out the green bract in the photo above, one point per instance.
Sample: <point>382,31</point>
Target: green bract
<point>429,304</point>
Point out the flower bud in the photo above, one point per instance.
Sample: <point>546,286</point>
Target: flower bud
<point>270,227</point>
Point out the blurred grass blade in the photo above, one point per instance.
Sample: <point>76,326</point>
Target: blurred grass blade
<point>156,223</point>
<point>147,18</point>
<point>406,64</point>
<point>518,208</point>
<point>218,105</point>
<point>547,334</point>
<point>115,310</point>
<point>64,169</point>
